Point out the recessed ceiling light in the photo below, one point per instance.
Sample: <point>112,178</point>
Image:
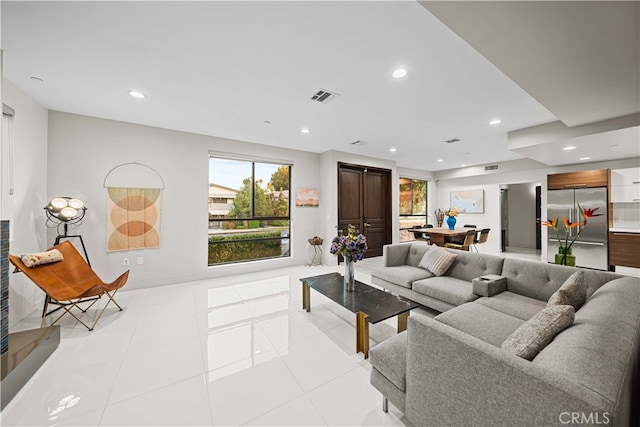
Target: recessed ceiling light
<point>440,160</point>
<point>399,73</point>
<point>585,158</point>
<point>136,94</point>
<point>495,122</point>
<point>267,122</point>
<point>569,147</point>
<point>614,145</point>
<point>463,165</point>
<point>393,150</point>
<point>305,130</point>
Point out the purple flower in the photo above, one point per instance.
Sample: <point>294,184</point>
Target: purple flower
<point>352,246</point>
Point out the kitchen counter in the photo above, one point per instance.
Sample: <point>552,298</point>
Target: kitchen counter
<point>624,230</point>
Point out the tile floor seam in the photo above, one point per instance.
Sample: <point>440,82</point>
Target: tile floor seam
<point>109,404</point>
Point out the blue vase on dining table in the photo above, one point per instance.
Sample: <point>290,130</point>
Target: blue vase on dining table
<point>451,222</point>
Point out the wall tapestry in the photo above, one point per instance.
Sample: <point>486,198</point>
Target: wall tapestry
<point>469,201</point>
<point>133,218</point>
<point>307,197</point>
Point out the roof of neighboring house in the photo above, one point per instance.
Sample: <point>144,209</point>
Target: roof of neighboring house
<point>216,190</point>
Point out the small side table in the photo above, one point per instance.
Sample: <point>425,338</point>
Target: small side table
<point>316,242</point>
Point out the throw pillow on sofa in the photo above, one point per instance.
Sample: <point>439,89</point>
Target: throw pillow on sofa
<point>534,335</point>
<point>437,260</point>
<point>572,292</point>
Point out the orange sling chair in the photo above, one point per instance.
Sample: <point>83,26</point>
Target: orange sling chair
<point>70,282</point>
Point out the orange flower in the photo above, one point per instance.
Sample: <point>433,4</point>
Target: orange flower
<point>587,213</point>
<point>553,223</point>
<point>567,224</point>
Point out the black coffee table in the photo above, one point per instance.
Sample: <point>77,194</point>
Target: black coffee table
<point>371,305</point>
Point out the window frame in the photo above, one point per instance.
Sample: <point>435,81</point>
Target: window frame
<point>253,216</point>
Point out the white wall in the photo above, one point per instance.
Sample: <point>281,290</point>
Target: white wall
<point>522,215</point>
<point>30,195</point>
<point>82,150</point>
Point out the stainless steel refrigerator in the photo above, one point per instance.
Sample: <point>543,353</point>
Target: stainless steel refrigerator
<point>590,249</point>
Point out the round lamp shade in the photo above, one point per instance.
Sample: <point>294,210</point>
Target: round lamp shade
<point>65,209</point>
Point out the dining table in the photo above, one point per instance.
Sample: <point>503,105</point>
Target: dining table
<point>441,235</point>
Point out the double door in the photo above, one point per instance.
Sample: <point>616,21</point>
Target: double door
<point>364,200</point>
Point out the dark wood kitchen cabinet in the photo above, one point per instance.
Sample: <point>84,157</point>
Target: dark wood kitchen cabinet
<point>624,249</point>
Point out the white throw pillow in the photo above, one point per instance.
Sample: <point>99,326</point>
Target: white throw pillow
<point>534,335</point>
<point>31,260</point>
<point>437,260</point>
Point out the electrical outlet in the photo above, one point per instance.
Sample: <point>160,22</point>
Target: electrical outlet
<point>125,262</point>
<point>140,260</point>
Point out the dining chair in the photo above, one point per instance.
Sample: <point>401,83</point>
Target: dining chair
<point>419,235</point>
<point>484,235</point>
<point>466,243</point>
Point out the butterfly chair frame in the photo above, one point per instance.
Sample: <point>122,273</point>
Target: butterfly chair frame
<point>70,282</point>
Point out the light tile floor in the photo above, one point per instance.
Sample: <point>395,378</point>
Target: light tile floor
<point>229,351</point>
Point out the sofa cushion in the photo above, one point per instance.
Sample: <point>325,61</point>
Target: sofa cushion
<point>437,260</point>
<point>467,266</point>
<point>595,351</point>
<point>513,304</point>
<point>540,280</point>
<point>572,292</point>
<point>416,252</point>
<point>530,338</point>
<point>403,275</point>
<point>390,359</point>
<point>482,322</point>
<point>448,289</point>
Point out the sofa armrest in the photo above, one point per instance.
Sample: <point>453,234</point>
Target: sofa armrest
<point>489,285</point>
<point>394,255</point>
<point>457,379</point>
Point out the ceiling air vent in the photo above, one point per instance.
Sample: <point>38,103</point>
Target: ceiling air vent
<point>491,168</point>
<point>324,96</point>
<point>452,140</point>
<point>359,143</point>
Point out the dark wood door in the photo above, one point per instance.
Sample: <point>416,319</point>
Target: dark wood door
<point>364,200</point>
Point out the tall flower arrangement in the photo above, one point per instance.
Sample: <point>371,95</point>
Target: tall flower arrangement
<point>351,246</point>
<point>564,248</point>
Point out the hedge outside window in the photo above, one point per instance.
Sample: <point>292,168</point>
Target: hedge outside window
<point>249,207</point>
<point>413,206</point>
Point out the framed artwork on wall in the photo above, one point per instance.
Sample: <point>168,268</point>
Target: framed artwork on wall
<point>468,201</point>
<point>307,197</point>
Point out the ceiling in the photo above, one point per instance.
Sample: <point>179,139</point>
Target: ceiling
<point>228,68</point>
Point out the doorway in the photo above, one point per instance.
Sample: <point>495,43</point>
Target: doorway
<point>364,200</point>
<point>521,218</point>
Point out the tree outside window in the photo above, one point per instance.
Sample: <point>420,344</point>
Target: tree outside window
<point>413,206</point>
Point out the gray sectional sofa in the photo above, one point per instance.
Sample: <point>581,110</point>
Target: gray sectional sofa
<point>451,370</point>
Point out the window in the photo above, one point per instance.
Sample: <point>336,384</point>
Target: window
<point>413,206</point>
<point>249,208</point>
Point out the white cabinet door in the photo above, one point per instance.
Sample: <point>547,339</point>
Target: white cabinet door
<point>625,193</point>
<point>628,176</point>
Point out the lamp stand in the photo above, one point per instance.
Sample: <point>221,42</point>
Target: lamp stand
<point>68,236</point>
